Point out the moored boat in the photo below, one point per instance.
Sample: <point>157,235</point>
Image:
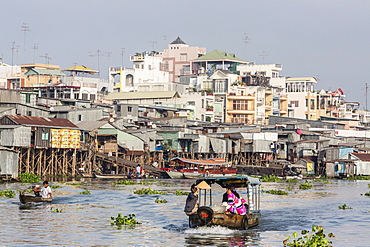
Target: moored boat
<point>110,176</point>
<point>209,214</point>
<point>28,198</point>
<point>175,174</point>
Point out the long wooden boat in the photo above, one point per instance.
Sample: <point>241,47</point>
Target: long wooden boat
<point>28,198</point>
<point>175,174</point>
<point>110,175</point>
<point>209,215</point>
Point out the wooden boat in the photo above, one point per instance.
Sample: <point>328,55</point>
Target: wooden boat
<point>112,176</point>
<point>28,198</point>
<point>209,215</point>
<point>175,174</point>
<point>192,175</point>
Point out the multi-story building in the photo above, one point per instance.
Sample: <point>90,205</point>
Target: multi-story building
<point>10,76</point>
<point>36,75</point>
<point>147,74</point>
<point>176,59</point>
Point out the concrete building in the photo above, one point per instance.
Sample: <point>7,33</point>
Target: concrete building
<point>177,58</point>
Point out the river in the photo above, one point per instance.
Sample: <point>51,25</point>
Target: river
<point>85,220</point>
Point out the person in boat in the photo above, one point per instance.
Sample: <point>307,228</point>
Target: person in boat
<point>138,171</point>
<point>46,190</point>
<point>191,205</point>
<point>37,190</point>
<point>235,204</point>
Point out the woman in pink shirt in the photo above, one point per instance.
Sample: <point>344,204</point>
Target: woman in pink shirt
<point>235,203</point>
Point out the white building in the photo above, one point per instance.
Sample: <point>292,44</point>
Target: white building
<point>146,75</point>
<point>269,70</point>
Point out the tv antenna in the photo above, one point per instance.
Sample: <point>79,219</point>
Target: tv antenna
<point>109,54</point>
<point>245,40</point>
<point>24,29</point>
<point>263,55</point>
<point>34,47</point>
<point>153,43</point>
<point>122,53</point>
<point>47,58</point>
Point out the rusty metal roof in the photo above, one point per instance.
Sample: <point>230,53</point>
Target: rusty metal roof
<point>41,121</point>
<point>362,156</point>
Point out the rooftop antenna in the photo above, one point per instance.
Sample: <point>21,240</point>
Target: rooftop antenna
<point>263,55</point>
<point>153,43</point>
<point>13,48</point>
<point>34,47</point>
<point>122,53</point>
<point>109,54</point>
<point>98,54</point>
<point>245,40</point>
<point>47,58</point>
<point>24,29</point>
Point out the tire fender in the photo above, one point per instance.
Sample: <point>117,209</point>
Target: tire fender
<point>205,214</point>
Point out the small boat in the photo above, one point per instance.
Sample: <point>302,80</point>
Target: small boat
<point>209,214</point>
<point>175,174</point>
<point>110,176</point>
<point>193,175</point>
<point>28,198</point>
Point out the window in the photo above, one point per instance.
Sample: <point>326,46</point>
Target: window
<point>92,97</point>
<point>239,118</point>
<point>183,57</point>
<point>118,109</point>
<point>45,136</point>
<point>29,113</point>
<point>129,108</point>
<point>240,105</point>
<point>137,66</point>
<point>202,103</point>
<point>28,98</point>
<point>142,66</point>
<point>149,67</point>
<point>79,117</point>
<point>294,103</point>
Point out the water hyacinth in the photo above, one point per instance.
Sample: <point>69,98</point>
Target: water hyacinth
<point>120,220</point>
<point>7,193</point>
<point>149,191</point>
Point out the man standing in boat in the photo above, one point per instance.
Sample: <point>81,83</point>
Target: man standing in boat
<point>46,190</point>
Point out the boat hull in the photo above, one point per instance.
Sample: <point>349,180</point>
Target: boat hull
<point>110,176</point>
<point>175,174</point>
<point>28,198</point>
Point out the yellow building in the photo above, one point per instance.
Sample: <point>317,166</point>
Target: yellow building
<point>40,74</point>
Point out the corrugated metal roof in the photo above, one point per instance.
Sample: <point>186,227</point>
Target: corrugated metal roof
<point>40,121</point>
<point>219,55</point>
<point>91,125</point>
<point>143,95</point>
<point>44,72</point>
<point>362,156</point>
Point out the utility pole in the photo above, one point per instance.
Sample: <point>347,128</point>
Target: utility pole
<point>98,54</point>
<point>24,29</point>
<point>263,55</point>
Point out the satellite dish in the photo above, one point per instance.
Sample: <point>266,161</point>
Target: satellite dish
<point>111,120</point>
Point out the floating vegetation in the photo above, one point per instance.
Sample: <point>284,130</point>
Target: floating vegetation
<point>149,191</point>
<point>358,178</point>
<point>7,193</point>
<point>75,184</point>
<point>368,185</point>
<point>55,186</point>
<point>327,182</point>
<point>57,210</point>
<point>29,178</point>
<point>305,186</point>
<point>367,193</point>
<point>181,193</point>
<point>289,188</point>
<point>165,184</point>
<point>276,192</point>
<point>270,178</point>
<point>129,220</point>
<point>344,206</point>
<point>290,180</point>
<point>157,200</point>
<point>85,192</point>
<point>316,238</point>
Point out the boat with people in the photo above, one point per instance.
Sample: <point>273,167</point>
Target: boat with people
<point>24,198</point>
<point>210,214</point>
<point>191,169</point>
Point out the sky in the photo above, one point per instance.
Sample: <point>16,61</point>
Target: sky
<point>326,39</point>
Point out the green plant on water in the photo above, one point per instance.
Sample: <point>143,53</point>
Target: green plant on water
<point>57,210</point>
<point>368,185</point>
<point>327,182</point>
<point>120,220</point>
<point>270,178</point>
<point>165,184</point>
<point>29,178</point>
<point>289,188</point>
<point>149,191</point>
<point>367,193</point>
<point>305,186</point>
<point>181,193</point>
<point>317,238</point>
<point>56,186</point>
<point>124,182</point>
<point>157,200</point>
<point>276,192</point>
<point>344,206</point>
<point>85,192</point>
<point>290,180</point>
<point>75,184</point>
<point>7,193</point>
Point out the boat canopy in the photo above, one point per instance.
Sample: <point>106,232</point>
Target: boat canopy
<point>236,181</point>
<point>209,162</point>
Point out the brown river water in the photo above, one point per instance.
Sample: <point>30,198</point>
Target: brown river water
<point>86,218</point>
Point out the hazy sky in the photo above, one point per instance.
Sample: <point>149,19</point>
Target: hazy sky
<point>327,39</point>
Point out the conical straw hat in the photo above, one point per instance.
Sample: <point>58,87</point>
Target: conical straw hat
<point>203,185</point>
